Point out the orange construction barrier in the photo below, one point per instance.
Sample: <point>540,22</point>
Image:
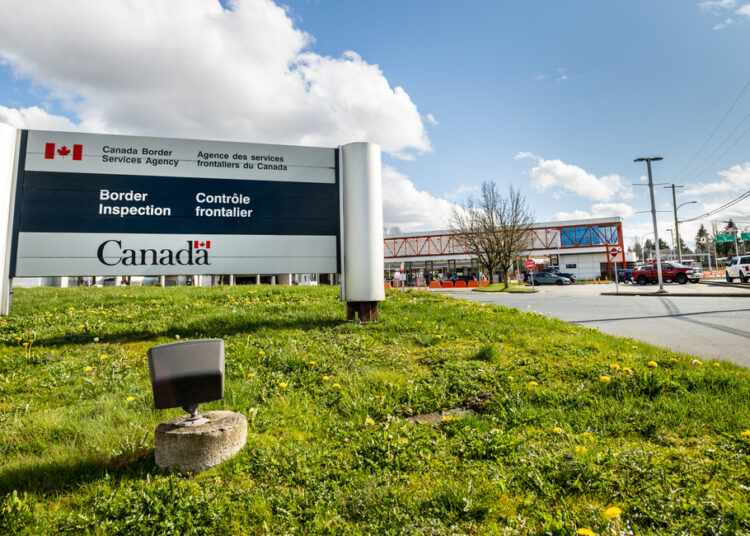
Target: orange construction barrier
<point>472,284</point>
<point>388,284</point>
<point>447,284</point>
<point>435,284</point>
<point>460,284</point>
<point>485,283</point>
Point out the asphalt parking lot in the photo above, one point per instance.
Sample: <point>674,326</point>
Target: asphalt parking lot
<point>711,322</point>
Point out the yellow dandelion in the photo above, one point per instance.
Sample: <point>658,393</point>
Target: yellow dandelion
<point>635,347</point>
<point>251,375</point>
<point>653,364</point>
<point>326,378</point>
<point>558,430</point>
<point>313,363</point>
<point>103,356</point>
<point>588,436</point>
<point>496,431</point>
<point>696,362</point>
<point>19,338</point>
<point>746,433</point>
<point>130,398</point>
<point>439,336</point>
<point>585,532</point>
<point>614,366</point>
<point>128,366</point>
<point>533,384</point>
<point>580,449</point>
<point>88,369</point>
<point>261,352</point>
<point>674,360</point>
<point>628,370</point>
<point>369,421</point>
<point>25,344</point>
<point>510,378</point>
<point>81,326</point>
<point>336,386</point>
<point>419,321</point>
<point>604,379</point>
<point>403,440</point>
<point>717,364</point>
<point>612,512</point>
<point>282,385</point>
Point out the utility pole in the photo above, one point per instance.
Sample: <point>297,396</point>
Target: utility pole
<point>653,216</point>
<point>676,223</point>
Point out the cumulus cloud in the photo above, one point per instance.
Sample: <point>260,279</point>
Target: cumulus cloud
<point>713,6</point>
<point>409,208</point>
<point>556,174</point>
<point>193,68</point>
<point>35,117</point>
<point>744,10</point>
<point>735,179</point>
<point>598,210</point>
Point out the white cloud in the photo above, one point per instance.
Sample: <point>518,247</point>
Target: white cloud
<point>575,215</point>
<point>712,6</point>
<point>735,179</point>
<point>35,117</point>
<point>602,210</point>
<point>598,210</point>
<point>551,174</point>
<point>192,68</point>
<point>744,10</point>
<point>409,208</point>
<point>461,191</point>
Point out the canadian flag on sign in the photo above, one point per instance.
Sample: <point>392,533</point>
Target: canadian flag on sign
<point>49,151</point>
<point>197,244</point>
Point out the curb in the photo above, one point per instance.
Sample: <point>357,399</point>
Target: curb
<point>681,294</point>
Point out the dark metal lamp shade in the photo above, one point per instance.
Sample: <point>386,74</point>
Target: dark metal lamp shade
<point>185,374</point>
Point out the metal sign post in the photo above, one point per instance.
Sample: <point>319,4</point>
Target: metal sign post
<point>614,252</point>
<point>530,264</point>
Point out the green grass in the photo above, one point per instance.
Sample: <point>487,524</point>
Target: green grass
<point>500,287</point>
<point>663,444</point>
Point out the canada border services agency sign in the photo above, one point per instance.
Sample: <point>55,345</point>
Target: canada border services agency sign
<point>88,204</point>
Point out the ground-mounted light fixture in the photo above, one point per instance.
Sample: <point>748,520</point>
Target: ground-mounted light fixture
<point>185,374</point>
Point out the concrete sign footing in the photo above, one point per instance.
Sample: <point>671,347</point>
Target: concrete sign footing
<point>194,449</point>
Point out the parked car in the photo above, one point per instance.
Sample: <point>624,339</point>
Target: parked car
<point>547,278</point>
<point>739,267</point>
<point>555,271</point>
<point>670,271</point>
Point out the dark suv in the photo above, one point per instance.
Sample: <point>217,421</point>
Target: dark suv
<point>555,271</point>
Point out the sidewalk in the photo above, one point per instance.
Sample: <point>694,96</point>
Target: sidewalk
<point>706,288</point>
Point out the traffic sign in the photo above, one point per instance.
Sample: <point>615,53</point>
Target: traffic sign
<point>726,237</point>
<point>614,252</point>
<point>744,236</point>
<point>530,264</point>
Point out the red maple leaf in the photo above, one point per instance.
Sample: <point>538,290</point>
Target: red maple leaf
<point>63,151</point>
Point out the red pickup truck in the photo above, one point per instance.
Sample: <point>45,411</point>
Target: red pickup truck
<point>674,272</point>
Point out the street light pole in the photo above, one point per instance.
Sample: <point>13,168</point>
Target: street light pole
<point>653,216</point>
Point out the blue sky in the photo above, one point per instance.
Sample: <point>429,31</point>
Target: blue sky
<point>555,98</point>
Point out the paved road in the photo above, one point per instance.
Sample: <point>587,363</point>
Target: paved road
<point>707,327</point>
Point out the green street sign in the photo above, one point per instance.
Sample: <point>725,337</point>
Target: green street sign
<point>745,236</point>
<point>724,238</point>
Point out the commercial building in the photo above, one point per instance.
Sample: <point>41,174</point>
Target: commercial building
<point>581,247</point>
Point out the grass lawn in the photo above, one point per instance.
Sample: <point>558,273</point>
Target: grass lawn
<point>571,429</point>
<point>500,287</point>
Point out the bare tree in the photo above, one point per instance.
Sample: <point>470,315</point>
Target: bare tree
<point>494,228</point>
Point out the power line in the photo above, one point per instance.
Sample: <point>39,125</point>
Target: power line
<point>715,129</point>
<point>723,207</point>
<point>704,170</point>
<point>693,173</point>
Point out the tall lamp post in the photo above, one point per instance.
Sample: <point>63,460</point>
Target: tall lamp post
<point>653,215</point>
<point>677,226</point>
